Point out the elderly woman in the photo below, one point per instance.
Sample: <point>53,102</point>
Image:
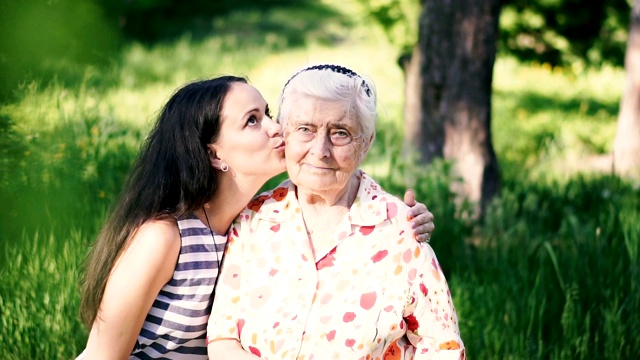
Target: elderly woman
<point>325,266</point>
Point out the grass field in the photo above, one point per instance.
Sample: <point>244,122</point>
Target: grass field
<point>552,272</point>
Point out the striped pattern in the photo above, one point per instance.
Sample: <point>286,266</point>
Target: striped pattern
<point>176,325</point>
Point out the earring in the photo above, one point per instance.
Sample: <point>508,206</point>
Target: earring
<point>224,167</point>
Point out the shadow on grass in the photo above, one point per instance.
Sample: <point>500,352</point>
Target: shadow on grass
<point>533,102</point>
<point>293,23</point>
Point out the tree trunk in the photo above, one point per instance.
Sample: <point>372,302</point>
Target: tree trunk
<point>626,148</point>
<point>458,40</point>
<point>411,64</point>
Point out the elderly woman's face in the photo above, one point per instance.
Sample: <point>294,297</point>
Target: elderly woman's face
<point>323,146</point>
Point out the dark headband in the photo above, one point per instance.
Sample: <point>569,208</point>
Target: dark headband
<point>336,69</point>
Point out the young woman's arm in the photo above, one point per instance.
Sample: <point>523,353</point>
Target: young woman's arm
<point>144,267</point>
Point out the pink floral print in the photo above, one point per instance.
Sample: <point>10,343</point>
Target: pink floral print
<point>373,293</point>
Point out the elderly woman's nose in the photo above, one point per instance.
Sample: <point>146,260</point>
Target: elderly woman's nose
<point>321,145</point>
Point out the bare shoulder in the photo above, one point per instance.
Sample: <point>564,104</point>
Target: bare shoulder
<point>159,230</point>
<point>155,242</point>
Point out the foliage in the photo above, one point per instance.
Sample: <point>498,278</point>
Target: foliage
<point>399,20</point>
<point>39,39</point>
<point>564,31</point>
<point>90,32</point>
<point>558,32</point>
<point>153,20</point>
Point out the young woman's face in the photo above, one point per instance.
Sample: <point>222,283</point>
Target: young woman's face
<point>324,146</point>
<point>250,142</point>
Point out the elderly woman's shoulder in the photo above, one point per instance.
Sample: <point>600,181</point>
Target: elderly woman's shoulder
<point>270,197</point>
<point>370,187</point>
<point>376,197</point>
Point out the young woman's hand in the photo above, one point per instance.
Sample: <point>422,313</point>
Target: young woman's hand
<point>421,218</point>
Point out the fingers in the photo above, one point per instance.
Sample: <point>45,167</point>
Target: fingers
<point>426,217</point>
<point>424,229</point>
<point>422,238</point>
<point>422,224</point>
<point>410,198</point>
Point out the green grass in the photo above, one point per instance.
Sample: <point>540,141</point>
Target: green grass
<point>39,298</point>
<point>553,270</point>
<point>547,120</point>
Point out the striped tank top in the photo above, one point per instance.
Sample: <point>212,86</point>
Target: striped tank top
<point>176,325</point>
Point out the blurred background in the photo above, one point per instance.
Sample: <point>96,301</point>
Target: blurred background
<point>515,121</point>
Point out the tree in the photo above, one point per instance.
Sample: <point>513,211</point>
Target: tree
<point>565,32</point>
<point>626,148</point>
<point>456,52</point>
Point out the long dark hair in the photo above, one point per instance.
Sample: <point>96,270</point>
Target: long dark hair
<point>171,176</point>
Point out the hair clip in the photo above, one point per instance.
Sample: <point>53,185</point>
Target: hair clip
<point>336,69</point>
<point>366,88</point>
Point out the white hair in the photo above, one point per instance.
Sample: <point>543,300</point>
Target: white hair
<point>333,83</point>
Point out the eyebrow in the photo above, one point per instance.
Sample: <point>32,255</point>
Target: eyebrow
<point>255,110</point>
<point>250,111</point>
<point>341,125</point>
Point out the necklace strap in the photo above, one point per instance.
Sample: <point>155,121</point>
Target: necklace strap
<point>215,245</point>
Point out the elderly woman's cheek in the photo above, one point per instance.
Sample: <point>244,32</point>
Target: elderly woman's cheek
<point>350,160</point>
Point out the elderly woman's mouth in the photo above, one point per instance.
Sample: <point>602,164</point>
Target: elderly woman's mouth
<point>320,167</point>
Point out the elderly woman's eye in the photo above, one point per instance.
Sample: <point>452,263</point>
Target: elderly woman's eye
<point>340,137</point>
<point>340,133</point>
<point>304,133</point>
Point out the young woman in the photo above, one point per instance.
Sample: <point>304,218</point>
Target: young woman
<point>151,275</point>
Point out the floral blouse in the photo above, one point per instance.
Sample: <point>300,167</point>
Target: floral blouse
<point>372,293</point>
